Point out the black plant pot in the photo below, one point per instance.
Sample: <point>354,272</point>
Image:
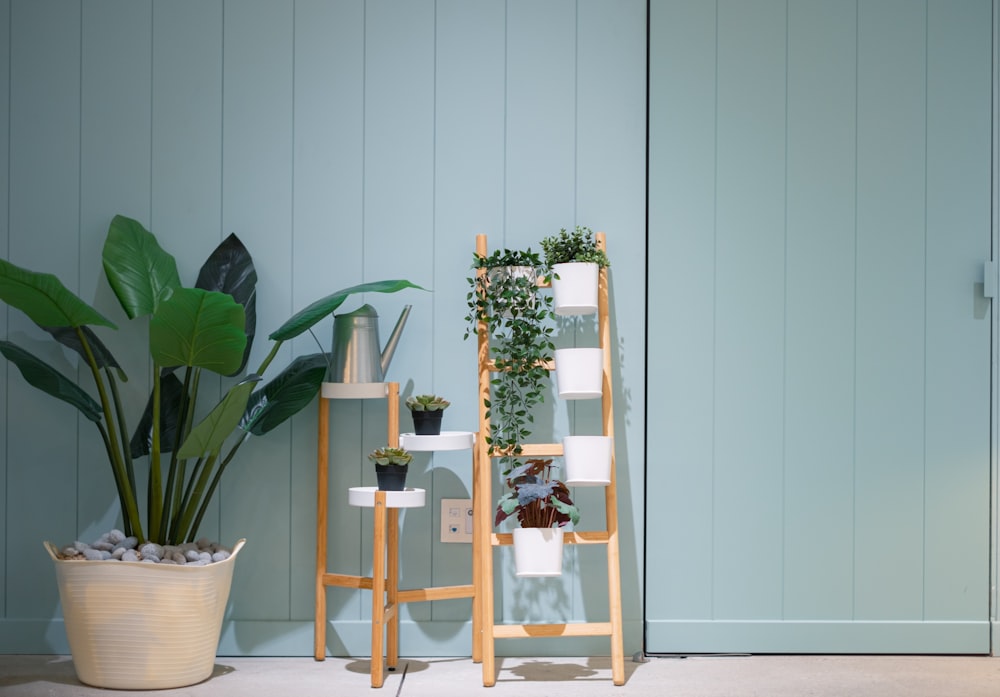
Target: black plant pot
<point>427,423</point>
<point>391,477</point>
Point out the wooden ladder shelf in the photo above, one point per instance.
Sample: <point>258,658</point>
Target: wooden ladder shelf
<point>485,540</point>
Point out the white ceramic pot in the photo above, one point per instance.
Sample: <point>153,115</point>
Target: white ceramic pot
<point>588,460</point>
<point>574,288</point>
<point>538,552</point>
<point>141,626</point>
<point>579,372</point>
<point>500,272</point>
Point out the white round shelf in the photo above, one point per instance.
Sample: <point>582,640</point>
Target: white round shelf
<point>365,496</point>
<point>448,440</point>
<point>354,390</point>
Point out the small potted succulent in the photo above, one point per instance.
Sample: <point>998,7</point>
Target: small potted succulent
<point>427,411</point>
<point>572,263</point>
<point>542,506</point>
<point>391,465</point>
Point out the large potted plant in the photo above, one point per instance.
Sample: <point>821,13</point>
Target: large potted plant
<point>131,639</point>
<point>542,506</point>
<point>503,301</point>
<point>572,263</point>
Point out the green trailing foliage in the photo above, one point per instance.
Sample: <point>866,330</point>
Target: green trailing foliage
<point>504,304</point>
<point>209,327</point>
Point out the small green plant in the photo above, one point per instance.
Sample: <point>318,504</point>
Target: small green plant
<point>535,499</point>
<point>427,402</point>
<point>506,308</point>
<point>579,246</point>
<point>390,456</point>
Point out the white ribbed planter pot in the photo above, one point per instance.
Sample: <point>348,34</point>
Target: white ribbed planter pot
<point>574,288</point>
<point>538,552</point>
<point>588,460</point>
<point>579,372</point>
<point>141,626</point>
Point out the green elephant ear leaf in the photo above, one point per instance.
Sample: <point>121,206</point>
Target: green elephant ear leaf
<point>286,395</point>
<point>229,269</point>
<point>307,317</point>
<point>198,328</point>
<point>208,436</point>
<point>43,376</point>
<point>45,300</point>
<point>137,268</point>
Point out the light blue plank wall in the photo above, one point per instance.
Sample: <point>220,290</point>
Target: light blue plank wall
<point>818,501</point>
<point>115,152</point>
<point>45,200</point>
<point>257,182</point>
<point>890,318</point>
<point>4,241</point>
<point>819,207</point>
<point>343,142</point>
<point>186,94</point>
<point>469,197</point>
<point>682,242</point>
<point>749,353</point>
<point>956,541</point>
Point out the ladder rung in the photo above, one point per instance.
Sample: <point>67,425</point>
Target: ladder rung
<point>521,631</point>
<point>589,537</point>
<point>417,595</point>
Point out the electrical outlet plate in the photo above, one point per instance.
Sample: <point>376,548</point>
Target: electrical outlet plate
<point>456,520</point>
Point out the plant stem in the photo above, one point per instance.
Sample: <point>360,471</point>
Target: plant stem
<point>155,486</point>
<point>130,508</point>
<point>215,483</point>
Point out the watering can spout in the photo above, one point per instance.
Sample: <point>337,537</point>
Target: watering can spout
<point>390,344</point>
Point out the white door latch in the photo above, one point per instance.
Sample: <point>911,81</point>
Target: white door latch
<point>989,279</point>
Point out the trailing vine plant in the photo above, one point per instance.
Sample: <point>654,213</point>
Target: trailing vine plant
<point>504,302</point>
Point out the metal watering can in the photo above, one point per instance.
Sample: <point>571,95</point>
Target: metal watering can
<point>356,355</point>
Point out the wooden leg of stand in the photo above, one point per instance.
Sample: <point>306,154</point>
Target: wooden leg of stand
<point>322,478</point>
<point>392,590</point>
<point>378,590</point>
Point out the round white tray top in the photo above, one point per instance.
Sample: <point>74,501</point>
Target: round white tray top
<point>354,390</point>
<point>365,496</point>
<point>448,440</point>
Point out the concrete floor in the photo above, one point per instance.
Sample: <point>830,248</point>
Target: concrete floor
<point>721,676</point>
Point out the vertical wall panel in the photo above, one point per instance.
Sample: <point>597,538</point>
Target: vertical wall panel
<point>682,144</point>
<point>749,308</point>
<point>44,215</point>
<point>5,39</point>
<point>468,199</point>
<point>399,211</point>
<point>185,212</point>
<point>611,150</point>
<point>540,199</point>
<point>327,199</point>
<point>541,120</point>
<point>115,178</point>
<point>256,204</point>
<point>957,369</point>
<point>840,404</point>
<point>819,425</point>
<point>343,142</point>
<point>890,312</point>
